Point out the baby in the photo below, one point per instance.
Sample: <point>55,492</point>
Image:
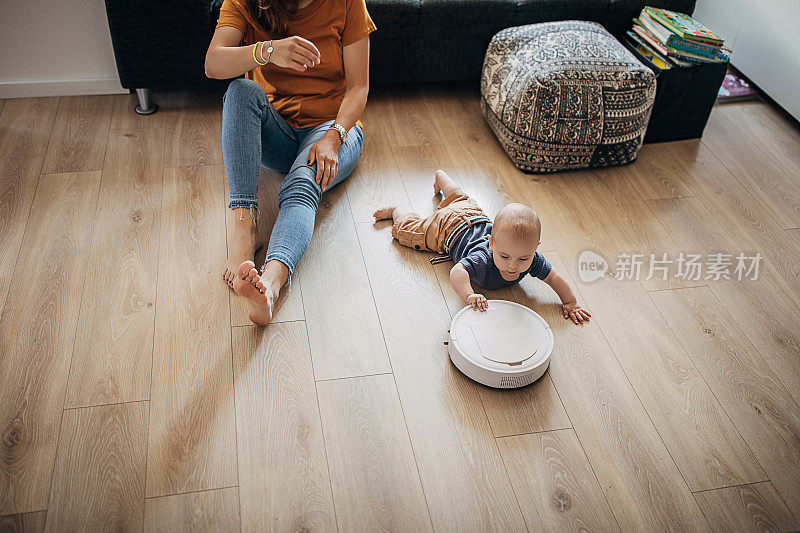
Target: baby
<point>491,255</point>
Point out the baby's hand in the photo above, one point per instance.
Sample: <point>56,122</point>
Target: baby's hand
<point>573,310</point>
<point>478,302</point>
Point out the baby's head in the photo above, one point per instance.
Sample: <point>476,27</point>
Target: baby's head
<point>514,240</point>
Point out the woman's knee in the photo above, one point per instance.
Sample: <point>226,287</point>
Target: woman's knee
<point>300,188</point>
<point>243,90</point>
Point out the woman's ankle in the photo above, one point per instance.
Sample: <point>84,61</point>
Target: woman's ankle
<point>275,275</point>
<point>244,232</point>
<point>245,219</point>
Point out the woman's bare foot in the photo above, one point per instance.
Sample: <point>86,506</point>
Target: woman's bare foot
<point>384,213</point>
<point>443,184</point>
<point>260,298</point>
<point>244,244</point>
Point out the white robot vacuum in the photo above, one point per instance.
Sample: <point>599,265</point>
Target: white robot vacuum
<point>505,347</point>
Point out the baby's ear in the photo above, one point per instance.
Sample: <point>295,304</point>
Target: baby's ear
<point>491,243</point>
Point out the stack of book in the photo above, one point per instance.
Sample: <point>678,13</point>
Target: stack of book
<point>668,38</point>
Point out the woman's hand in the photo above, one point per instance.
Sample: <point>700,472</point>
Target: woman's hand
<point>293,52</point>
<point>325,153</point>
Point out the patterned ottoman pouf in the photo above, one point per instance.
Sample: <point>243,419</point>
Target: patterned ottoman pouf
<point>565,95</point>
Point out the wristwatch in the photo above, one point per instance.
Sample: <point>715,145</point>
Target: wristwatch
<point>340,129</point>
<point>270,49</point>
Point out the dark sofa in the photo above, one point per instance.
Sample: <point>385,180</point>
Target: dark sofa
<point>162,45</point>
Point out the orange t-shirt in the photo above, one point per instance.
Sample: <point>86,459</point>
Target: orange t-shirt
<point>312,97</point>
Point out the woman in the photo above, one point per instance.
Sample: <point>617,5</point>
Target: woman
<point>297,110</point>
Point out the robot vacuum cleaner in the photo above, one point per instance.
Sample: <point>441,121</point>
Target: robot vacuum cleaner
<point>505,347</point>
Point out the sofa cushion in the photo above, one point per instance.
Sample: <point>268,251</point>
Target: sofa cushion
<point>530,11</point>
<point>565,95</point>
<point>394,48</point>
<point>453,34</point>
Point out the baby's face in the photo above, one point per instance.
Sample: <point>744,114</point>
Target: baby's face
<point>512,256</point>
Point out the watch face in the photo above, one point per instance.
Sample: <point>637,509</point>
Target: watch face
<point>269,50</point>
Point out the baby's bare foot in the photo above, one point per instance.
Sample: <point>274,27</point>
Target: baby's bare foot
<point>437,182</point>
<point>260,299</point>
<point>384,213</point>
<point>242,249</point>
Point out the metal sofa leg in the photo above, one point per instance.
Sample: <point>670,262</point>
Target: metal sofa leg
<point>146,106</point>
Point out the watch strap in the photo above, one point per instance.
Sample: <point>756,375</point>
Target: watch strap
<point>342,132</point>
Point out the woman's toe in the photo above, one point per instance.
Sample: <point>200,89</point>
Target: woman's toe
<point>244,269</point>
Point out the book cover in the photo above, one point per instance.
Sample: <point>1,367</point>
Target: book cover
<point>659,32</point>
<point>735,89</point>
<point>685,26</point>
<point>645,34</point>
<point>647,51</point>
<point>721,56</point>
<point>690,46</point>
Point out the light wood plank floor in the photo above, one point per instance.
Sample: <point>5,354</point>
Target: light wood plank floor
<point>134,395</point>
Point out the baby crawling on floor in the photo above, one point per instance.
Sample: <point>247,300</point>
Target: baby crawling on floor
<point>492,255</point>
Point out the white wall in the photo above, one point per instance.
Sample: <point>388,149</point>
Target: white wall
<point>55,48</point>
<point>764,36</point>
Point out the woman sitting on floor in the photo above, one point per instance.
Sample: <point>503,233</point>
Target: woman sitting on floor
<point>297,110</point>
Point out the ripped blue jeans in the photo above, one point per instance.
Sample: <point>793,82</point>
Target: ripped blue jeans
<point>254,134</point>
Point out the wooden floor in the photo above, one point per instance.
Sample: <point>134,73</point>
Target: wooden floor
<point>134,395</point>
